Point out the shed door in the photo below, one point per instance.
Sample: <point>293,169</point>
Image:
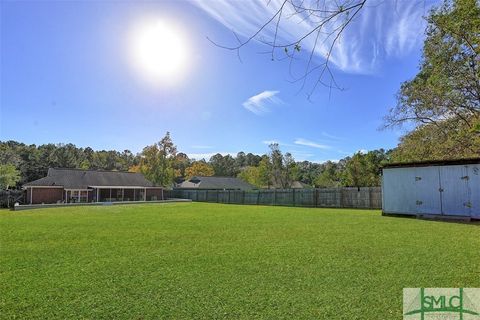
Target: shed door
<point>398,191</point>
<point>455,181</point>
<point>427,195</point>
<point>474,185</point>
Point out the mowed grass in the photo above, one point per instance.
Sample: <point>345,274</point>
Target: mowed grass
<point>213,261</point>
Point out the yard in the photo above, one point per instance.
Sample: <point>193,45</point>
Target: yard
<point>213,261</point>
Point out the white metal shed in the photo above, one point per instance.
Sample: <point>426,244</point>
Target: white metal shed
<point>435,188</point>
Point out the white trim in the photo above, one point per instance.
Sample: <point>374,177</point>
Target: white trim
<point>122,187</point>
<point>96,187</point>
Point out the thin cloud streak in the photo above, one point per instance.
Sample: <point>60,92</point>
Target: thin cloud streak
<point>260,103</point>
<point>330,136</point>
<point>269,142</point>
<point>308,143</point>
<point>208,155</point>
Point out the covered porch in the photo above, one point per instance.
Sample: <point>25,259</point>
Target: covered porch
<point>127,193</point>
<point>113,194</point>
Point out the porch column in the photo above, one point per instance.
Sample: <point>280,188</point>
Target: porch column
<point>110,194</point>
<point>145,194</point>
<point>123,193</point>
<point>134,199</point>
<point>31,195</point>
<point>98,194</point>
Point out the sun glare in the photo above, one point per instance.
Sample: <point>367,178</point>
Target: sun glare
<point>159,51</point>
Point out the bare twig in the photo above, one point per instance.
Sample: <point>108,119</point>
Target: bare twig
<point>321,16</point>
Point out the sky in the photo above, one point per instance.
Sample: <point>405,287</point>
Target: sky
<point>69,73</point>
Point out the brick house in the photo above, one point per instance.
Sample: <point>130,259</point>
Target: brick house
<point>76,185</point>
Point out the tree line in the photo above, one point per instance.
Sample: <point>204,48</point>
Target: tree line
<point>162,164</point>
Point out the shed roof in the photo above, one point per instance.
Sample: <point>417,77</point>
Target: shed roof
<point>81,179</point>
<point>433,163</point>
<point>219,183</point>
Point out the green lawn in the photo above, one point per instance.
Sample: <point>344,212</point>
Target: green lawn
<point>212,261</point>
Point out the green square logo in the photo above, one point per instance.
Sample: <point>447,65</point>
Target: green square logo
<point>441,303</point>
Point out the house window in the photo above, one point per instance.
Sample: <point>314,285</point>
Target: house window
<point>78,196</point>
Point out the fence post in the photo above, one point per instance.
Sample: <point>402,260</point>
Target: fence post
<point>315,201</point>
<point>243,198</point>
<point>370,197</point>
<point>274,197</point>
<point>293,196</point>
<point>258,197</point>
<point>342,205</point>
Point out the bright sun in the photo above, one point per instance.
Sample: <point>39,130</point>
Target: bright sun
<point>159,51</point>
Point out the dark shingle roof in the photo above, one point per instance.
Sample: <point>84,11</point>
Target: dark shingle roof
<point>429,163</point>
<point>220,183</point>
<point>81,179</point>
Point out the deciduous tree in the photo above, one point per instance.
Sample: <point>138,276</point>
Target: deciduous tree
<point>9,176</point>
<point>443,100</point>
<point>199,168</point>
<point>251,175</point>
<point>157,161</point>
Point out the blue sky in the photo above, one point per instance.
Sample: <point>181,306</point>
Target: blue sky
<point>66,76</point>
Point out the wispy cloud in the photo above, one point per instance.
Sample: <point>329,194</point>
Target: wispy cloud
<point>325,160</point>
<point>280,143</point>
<point>308,143</point>
<point>301,155</point>
<point>208,155</point>
<point>269,142</point>
<point>331,136</point>
<point>260,103</point>
<point>382,29</point>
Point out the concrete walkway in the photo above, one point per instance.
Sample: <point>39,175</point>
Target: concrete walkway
<point>56,205</point>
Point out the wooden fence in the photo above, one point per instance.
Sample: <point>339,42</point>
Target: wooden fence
<point>366,198</point>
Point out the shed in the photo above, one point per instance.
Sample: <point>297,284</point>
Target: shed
<point>432,188</point>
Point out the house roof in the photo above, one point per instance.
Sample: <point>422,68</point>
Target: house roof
<point>215,183</point>
<point>81,179</point>
<point>294,185</point>
<point>299,185</point>
<point>433,163</point>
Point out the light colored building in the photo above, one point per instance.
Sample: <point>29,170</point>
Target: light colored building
<point>434,188</point>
